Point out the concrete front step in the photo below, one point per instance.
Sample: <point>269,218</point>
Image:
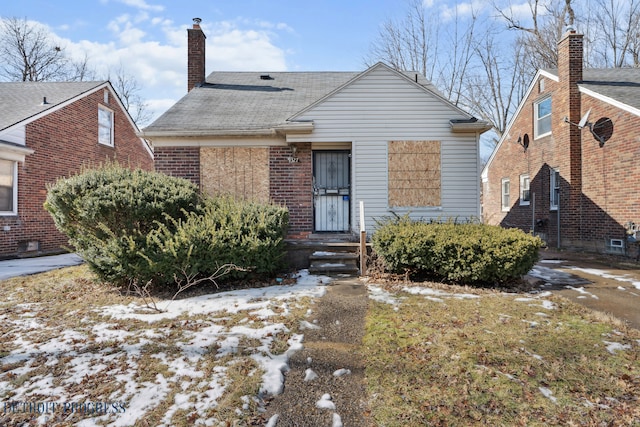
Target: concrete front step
<point>325,262</point>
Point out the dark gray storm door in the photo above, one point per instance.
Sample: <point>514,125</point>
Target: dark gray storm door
<point>331,190</point>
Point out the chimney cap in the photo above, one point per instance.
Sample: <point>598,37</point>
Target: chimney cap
<point>196,22</point>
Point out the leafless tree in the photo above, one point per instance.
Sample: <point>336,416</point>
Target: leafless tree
<point>28,53</point>
<point>455,64</point>
<point>495,89</point>
<point>128,88</point>
<point>539,39</point>
<point>614,33</point>
<point>410,44</point>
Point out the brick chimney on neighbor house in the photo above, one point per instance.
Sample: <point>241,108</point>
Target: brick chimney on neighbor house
<point>195,55</point>
<point>567,104</point>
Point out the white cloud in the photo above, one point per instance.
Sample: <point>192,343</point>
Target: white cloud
<point>521,11</point>
<point>462,10</point>
<point>159,65</point>
<point>142,4</point>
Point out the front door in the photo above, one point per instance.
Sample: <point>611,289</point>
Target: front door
<point>331,190</point>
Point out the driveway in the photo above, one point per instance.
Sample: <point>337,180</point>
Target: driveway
<point>25,266</point>
<point>604,283</point>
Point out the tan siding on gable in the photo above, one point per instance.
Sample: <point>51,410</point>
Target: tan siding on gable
<point>238,171</point>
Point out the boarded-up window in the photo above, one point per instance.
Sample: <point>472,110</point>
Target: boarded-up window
<point>238,171</point>
<point>414,173</point>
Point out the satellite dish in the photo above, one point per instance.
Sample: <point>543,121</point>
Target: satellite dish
<point>583,120</point>
<point>525,142</point>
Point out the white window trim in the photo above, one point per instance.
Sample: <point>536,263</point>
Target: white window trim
<point>13,212</point>
<point>553,184</point>
<point>536,118</point>
<point>111,136</point>
<point>505,208</point>
<point>522,189</point>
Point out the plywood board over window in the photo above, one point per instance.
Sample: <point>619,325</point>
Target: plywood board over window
<point>414,173</point>
<point>242,172</point>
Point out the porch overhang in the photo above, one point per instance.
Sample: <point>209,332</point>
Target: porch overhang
<point>207,133</point>
<point>469,125</point>
<point>13,152</point>
<point>297,128</point>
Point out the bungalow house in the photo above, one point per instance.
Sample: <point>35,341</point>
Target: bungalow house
<point>49,130</point>
<point>321,143</point>
<point>566,167</point>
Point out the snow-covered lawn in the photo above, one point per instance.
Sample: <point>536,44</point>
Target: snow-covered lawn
<point>119,364</point>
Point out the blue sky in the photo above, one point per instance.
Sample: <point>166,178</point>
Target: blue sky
<point>148,37</point>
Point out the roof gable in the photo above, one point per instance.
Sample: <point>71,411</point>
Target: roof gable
<point>619,87</point>
<point>413,78</point>
<point>23,102</point>
<point>254,103</point>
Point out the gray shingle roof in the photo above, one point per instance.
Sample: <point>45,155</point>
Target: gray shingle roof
<point>621,84</point>
<point>246,102</point>
<point>22,100</point>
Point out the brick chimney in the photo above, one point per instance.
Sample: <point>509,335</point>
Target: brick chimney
<point>195,55</point>
<point>567,103</point>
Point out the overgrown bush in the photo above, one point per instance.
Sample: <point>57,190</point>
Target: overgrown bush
<point>466,253</point>
<point>139,227</point>
<point>227,231</point>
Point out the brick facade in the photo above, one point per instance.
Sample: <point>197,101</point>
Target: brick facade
<point>63,142</point>
<point>597,195</point>
<point>291,184</point>
<point>181,162</point>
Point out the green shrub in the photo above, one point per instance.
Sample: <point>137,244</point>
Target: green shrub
<point>247,235</point>
<point>133,226</point>
<point>107,213</point>
<point>465,253</point>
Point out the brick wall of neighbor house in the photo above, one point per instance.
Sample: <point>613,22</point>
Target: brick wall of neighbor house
<point>611,173</point>
<point>181,162</point>
<point>63,142</point>
<point>291,184</point>
<point>598,184</point>
<point>512,160</point>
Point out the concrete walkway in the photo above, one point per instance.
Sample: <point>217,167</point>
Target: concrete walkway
<point>608,284</point>
<point>325,383</point>
<point>26,266</point>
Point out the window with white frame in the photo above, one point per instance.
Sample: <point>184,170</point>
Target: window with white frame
<point>554,189</point>
<point>506,194</point>
<point>105,126</point>
<point>8,190</point>
<point>542,119</point>
<point>525,193</point>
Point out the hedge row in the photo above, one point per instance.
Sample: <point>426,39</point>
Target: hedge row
<point>465,253</point>
<point>146,227</point>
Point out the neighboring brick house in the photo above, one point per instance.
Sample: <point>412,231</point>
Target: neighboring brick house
<point>50,130</point>
<point>567,165</point>
<point>321,142</point>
